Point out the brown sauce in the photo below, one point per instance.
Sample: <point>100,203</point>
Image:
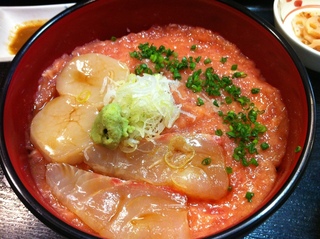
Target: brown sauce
<point>22,33</point>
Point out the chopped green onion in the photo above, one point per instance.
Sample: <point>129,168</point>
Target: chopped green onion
<point>192,65</point>
<point>223,60</point>
<point>215,103</point>
<point>207,61</point>
<point>134,54</point>
<point>255,90</point>
<point>219,132</point>
<point>143,68</point>
<point>234,67</point>
<point>200,101</point>
<point>254,162</point>
<point>249,196</point>
<point>297,149</point>
<point>229,170</point>
<point>206,161</point>
<point>264,146</point>
<point>193,47</point>
<point>239,74</point>
<point>228,100</point>
<point>176,75</point>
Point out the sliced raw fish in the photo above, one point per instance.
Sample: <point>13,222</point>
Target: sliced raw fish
<point>119,209</point>
<point>194,164</point>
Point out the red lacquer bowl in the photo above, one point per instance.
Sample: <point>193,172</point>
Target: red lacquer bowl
<point>103,19</point>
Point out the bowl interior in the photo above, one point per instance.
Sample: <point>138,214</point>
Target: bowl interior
<point>104,19</point>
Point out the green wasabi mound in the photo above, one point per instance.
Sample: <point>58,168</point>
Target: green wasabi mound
<point>110,127</point>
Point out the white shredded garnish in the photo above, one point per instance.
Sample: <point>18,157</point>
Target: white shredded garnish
<point>111,86</point>
<point>147,102</point>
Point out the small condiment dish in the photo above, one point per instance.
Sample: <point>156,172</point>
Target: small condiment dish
<point>284,13</point>
<point>12,18</point>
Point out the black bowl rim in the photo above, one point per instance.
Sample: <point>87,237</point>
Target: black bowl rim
<point>236,231</point>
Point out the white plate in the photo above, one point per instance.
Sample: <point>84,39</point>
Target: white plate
<point>10,17</point>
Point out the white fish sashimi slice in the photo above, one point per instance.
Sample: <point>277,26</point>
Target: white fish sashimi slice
<point>119,209</point>
<point>174,160</point>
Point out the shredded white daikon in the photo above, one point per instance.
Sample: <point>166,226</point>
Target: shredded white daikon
<point>147,102</point>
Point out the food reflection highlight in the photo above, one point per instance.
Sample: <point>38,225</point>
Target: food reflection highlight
<point>171,133</point>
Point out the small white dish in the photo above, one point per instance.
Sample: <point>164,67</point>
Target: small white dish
<point>11,17</point>
<point>284,13</point>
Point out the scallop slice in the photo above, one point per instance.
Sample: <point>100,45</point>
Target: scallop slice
<point>61,129</point>
<point>119,209</point>
<point>192,164</point>
<point>90,77</point>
